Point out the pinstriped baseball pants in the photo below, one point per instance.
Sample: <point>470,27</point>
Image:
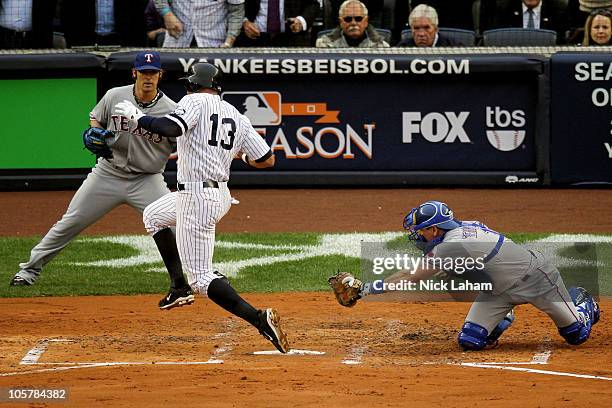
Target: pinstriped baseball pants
<point>195,211</point>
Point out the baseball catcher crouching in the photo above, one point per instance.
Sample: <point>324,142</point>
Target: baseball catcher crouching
<point>94,139</point>
<point>517,276</point>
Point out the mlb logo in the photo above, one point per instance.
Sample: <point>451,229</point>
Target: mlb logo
<point>262,108</point>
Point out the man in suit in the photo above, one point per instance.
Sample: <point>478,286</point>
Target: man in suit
<point>26,24</point>
<point>281,23</point>
<point>81,21</point>
<point>537,14</point>
<point>423,22</point>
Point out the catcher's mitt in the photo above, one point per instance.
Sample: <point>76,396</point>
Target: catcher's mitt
<point>94,140</point>
<point>346,288</point>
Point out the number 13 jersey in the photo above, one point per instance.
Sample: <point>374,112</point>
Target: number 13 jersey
<point>213,133</point>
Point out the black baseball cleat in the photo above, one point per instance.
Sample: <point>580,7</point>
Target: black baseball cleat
<point>19,281</point>
<point>269,327</point>
<point>176,298</point>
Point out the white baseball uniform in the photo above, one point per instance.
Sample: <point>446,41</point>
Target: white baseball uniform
<point>213,133</point>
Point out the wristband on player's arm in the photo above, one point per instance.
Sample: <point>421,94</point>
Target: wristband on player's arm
<point>162,126</point>
<point>369,289</point>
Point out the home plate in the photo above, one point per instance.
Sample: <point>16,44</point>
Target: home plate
<point>292,352</point>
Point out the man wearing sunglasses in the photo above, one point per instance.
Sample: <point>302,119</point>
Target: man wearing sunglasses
<point>354,29</point>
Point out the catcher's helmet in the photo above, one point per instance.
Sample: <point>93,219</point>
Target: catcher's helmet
<point>203,75</point>
<point>429,214</point>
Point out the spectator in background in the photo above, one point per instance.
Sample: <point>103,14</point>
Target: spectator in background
<point>26,23</point>
<point>423,21</point>
<point>591,5</point>
<point>283,23</point>
<point>354,30</point>
<point>375,11</point>
<point>452,13</point>
<point>154,22</point>
<point>536,14</point>
<point>598,28</point>
<point>203,23</point>
<point>104,22</point>
<point>578,11</point>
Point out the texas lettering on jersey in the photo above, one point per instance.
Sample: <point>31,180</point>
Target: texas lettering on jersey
<point>120,123</point>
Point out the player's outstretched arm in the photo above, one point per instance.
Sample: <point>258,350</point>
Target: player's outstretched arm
<point>349,289</point>
<point>162,125</point>
<point>267,160</point>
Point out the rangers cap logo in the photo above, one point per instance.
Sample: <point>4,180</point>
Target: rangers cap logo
<point>147,61</point>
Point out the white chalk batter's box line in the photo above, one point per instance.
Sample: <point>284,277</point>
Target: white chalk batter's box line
<point>33,355</point>
<point>357,353</point>
<point>355,358</point>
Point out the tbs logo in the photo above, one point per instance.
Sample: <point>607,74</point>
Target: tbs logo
<point>435,127</point>
<point>503,128</point>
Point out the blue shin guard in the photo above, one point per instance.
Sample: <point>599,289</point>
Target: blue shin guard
<point>472,336</point>
<point>585,304</point>
<point>500,328</point>
<point>588,309</point>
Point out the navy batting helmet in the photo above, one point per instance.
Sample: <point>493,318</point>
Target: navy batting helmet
<point>429,214</point>
<point>203,75</point>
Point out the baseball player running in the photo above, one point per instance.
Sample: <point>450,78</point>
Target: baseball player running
<point>128,170</point>
<point>517,276</point>
<point>210,133</point>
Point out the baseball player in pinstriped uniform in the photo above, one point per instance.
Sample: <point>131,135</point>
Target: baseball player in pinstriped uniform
<point>132,175</point>
<point>210,134</point>
<point>517,275</point>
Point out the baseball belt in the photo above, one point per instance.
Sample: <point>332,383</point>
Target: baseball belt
<point>205,184</point>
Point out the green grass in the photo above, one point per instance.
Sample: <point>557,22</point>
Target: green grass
<point>61,277</point>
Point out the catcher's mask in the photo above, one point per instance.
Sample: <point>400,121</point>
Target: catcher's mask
<point>429,214</point>
<point>203,75</point>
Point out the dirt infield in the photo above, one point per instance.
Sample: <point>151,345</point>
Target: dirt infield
<point>343,210</point>
<point>122,351</point>
<point>376,354</point>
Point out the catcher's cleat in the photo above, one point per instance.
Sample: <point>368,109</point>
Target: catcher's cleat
<point>269,327</point>
<point>19,281</point>
<point>499,329</point>
<point>176,298</point>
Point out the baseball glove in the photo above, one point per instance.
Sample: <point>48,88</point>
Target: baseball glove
<point>346,288</point>
<point>94,140</point>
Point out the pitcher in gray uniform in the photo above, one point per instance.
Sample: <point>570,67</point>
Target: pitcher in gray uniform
<point>133,176</point>
<point>513,274</point>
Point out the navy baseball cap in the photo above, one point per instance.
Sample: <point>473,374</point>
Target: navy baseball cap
<point>147,60</point>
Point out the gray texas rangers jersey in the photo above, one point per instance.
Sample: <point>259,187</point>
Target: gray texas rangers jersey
<point>506,263</point>
<point>137,150</point>
<point>213,133</point>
